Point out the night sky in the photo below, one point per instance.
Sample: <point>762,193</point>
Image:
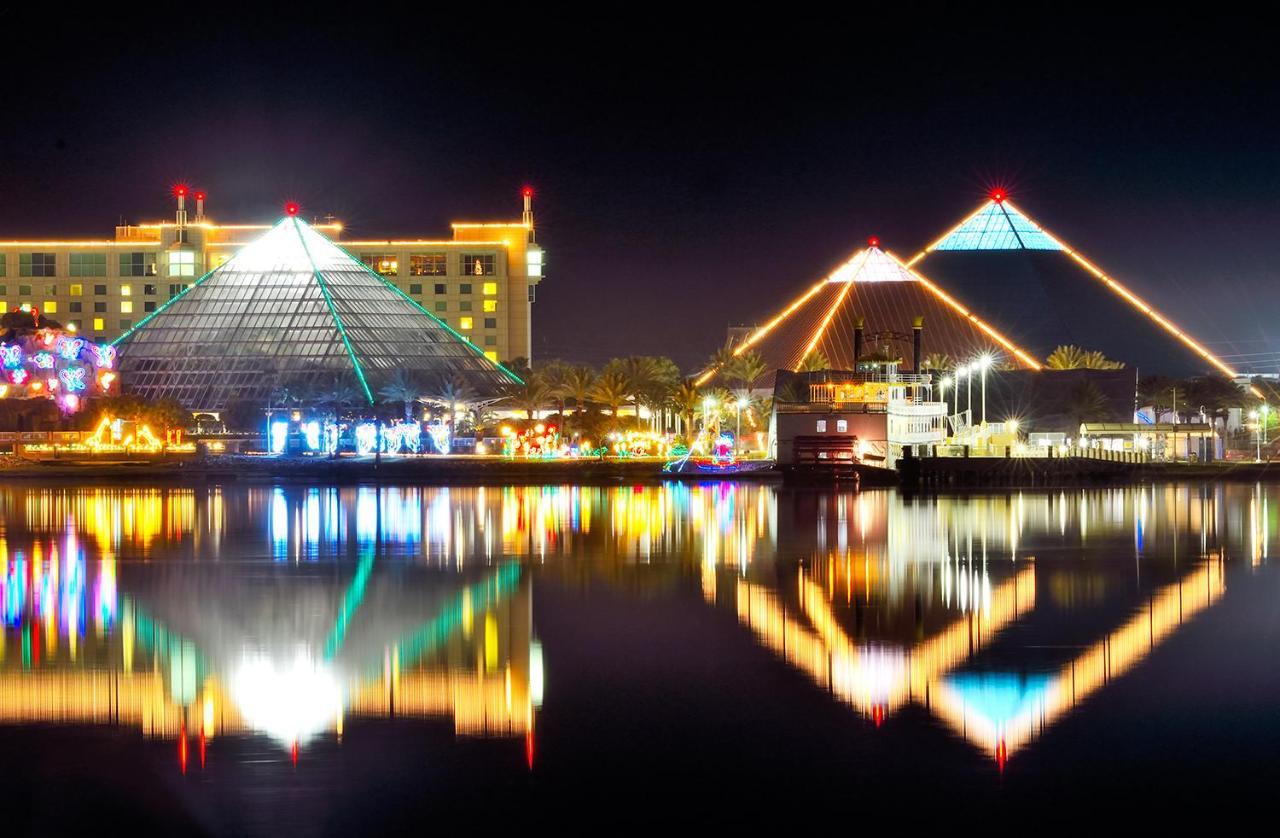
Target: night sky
<point>689,175</point>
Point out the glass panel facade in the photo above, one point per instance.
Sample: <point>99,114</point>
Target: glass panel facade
<point>427,264</point>
<point>998,226</point>
<point>88,264</point>
<point>291,310</point>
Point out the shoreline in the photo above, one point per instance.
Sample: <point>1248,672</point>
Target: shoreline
<point>477,471</point>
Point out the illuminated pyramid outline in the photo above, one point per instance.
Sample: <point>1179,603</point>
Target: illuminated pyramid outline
<point>291,252</point>
<point>870,264</point>
<point>999,200</point>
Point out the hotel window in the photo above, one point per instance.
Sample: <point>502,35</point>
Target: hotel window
<point>88,264</point>
<point>24,290</point>
<point>50,307</point>
<point>149,290</point>
<point>126,325</point>
<point>490,306</point>
<point>175,290</point>
<point>415,289</point>
<point>478,264</point>
<point>138,264</point>
<point>822,426</point>
<point>465,323</point>
<point>126,290</point>
<point>427,264</point>
<point>465,305</point>
<point>76,306</point>
<point>99,324</point>
<point>442,306</point>
<point>440,288</point>
<point>3,263</point>
<point>73,325</point>
<point>126,306</point>
<point>384,263</point>
<point>37,264</point>
<point>490,289</point>
<point>182,263</point>
<point>490,340</point>
<point>491,322</point>
<point>464,288</point>
<point>76,289</point>
<point>51,290</point>
<point>99,290</point>
<point>492,356</point>
<point>99,307</point>
<point>149,306</point>
<point>4,289</point>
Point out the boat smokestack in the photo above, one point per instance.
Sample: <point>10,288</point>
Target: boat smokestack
<point>917,343</point>
<point>858,324</point>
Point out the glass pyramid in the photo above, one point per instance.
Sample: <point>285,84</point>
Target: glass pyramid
<point>998,226</point>
<point>293,310</point>
<point>871,264</point>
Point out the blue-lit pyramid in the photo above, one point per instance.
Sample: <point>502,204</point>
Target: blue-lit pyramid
<point>294,311</point>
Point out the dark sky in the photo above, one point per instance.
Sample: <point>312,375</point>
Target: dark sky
<point>690,174</point>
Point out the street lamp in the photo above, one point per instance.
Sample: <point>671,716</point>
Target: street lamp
<point>944,384</point>
<point>984,362</point>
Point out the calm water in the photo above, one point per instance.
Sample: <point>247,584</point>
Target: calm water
<point>346,660</point>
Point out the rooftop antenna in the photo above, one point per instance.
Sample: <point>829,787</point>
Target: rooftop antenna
<point>527,192</point>
<point>199,207</point>
<point>181,192</point>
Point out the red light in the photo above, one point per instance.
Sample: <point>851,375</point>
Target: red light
<point>998,195</point>
<point>199,196</point>
<point>291,208</point>
<point>180,190</point>
<point>527,192</point>
<point>874,241</point>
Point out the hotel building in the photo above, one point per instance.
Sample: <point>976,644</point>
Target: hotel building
<point>481,282</point>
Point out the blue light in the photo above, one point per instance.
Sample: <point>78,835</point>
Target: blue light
<point>998,226</point>
<point>366,437</point>
<point>1001,696</point>
<point>311,433</point>
<point>279,436</point>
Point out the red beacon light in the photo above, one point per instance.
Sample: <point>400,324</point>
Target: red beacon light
<point>527,191</point>
<point>998,195</point>
<point>199,196</point>
<point>291,208</point>
<point>874,241</point>
<point>180,190</point>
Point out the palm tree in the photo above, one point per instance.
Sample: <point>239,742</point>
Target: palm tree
<point>686,400</point>
<point>402,387</point>
<point>1087,403</point>
<point>579,383</point>
<point>815,361</point>
<point>555,375</point>
<point>530,397</point>
<point>451,392</point>
<point>938,362</point>
<point>611,389</point>
<point>1071,357</point>
<point>746,369</point>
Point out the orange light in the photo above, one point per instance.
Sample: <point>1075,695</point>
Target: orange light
<point>822,327</point>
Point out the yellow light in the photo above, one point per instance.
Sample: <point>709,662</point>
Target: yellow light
<point>822,327</point>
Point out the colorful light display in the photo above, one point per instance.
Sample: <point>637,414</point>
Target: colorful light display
<point>40,363</point>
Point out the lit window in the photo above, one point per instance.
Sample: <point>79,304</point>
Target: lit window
<point>76,289</point>
<point>126,306</point>
<point>182,263</point>
<point>822,426</point>
<point>50,307</point>
<point>427,264</point>
<point>384,263</point>
<point>842,426</point>
<point>490,289</point>
<point>99,324</point>
<point>465,323</point>
<point>88,264</point>
<point>126,290</point>
<point>533,261</point>
<point>490,306</point>
<point>492,356</point>
<point>479,264</point>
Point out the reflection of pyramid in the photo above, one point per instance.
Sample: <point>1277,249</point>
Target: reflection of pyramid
<point>874,287</point>
<point>292,310</point>
<point>1042,294</point>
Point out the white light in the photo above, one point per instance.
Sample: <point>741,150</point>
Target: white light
<point>742,402</point>
<point>290,702</point>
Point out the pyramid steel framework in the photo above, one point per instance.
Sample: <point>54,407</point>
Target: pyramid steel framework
<point>877,289</point>
<point>1027,282</point>
<point>293,310</point>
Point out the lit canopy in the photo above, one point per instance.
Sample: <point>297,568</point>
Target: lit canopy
<point>292,310</point>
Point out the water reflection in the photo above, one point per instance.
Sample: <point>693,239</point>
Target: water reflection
<point>190,614</point>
